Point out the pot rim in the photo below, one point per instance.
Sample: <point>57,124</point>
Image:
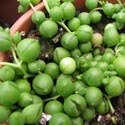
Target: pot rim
<point>24,23</point>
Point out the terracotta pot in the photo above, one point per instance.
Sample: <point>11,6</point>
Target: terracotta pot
<point>24,23</point>
<point>4,124</point>
<point>8,11</point>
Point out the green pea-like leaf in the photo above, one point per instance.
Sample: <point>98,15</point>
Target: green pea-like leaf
<point>16,118</point>
<point>5,41</point>
<point>28,49</point>
<point>9,93</point>
<point>32,113</point>
<point>4,114</point>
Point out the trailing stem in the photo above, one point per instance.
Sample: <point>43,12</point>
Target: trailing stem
<point>110,104</point>
<point>52,98</point>
<point>96,9</point>
<point>64,26</point>
<point>33,8</point>
<point>46,6</point>
<point>61,23</point>
<point>119,1</point>
<point>17,66</point>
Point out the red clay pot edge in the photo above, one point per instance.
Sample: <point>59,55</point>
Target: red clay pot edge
<point>24,23</point>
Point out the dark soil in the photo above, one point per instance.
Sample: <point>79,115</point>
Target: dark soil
<point>118,118</point>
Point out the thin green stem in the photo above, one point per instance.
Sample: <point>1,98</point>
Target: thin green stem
<point>46,6</point>
<point>99,8</point>
<point>9,64</point>
<point>18,63</point>
<point>101,2</point>
<point>23,71</point>
<point>111,107</point>
<point>18,66</point>
<point>26,75</point>
<point>119,1</point>
<point>33,8</point>
<point>64,26</point>
<point>14,47</point>
<point>52,98</point>
<point>110,104</point>
<point>14,56</point>
<point>59,22</point>
<point>39,72</point>
<point>117,49</point>
<point>79,77</point>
